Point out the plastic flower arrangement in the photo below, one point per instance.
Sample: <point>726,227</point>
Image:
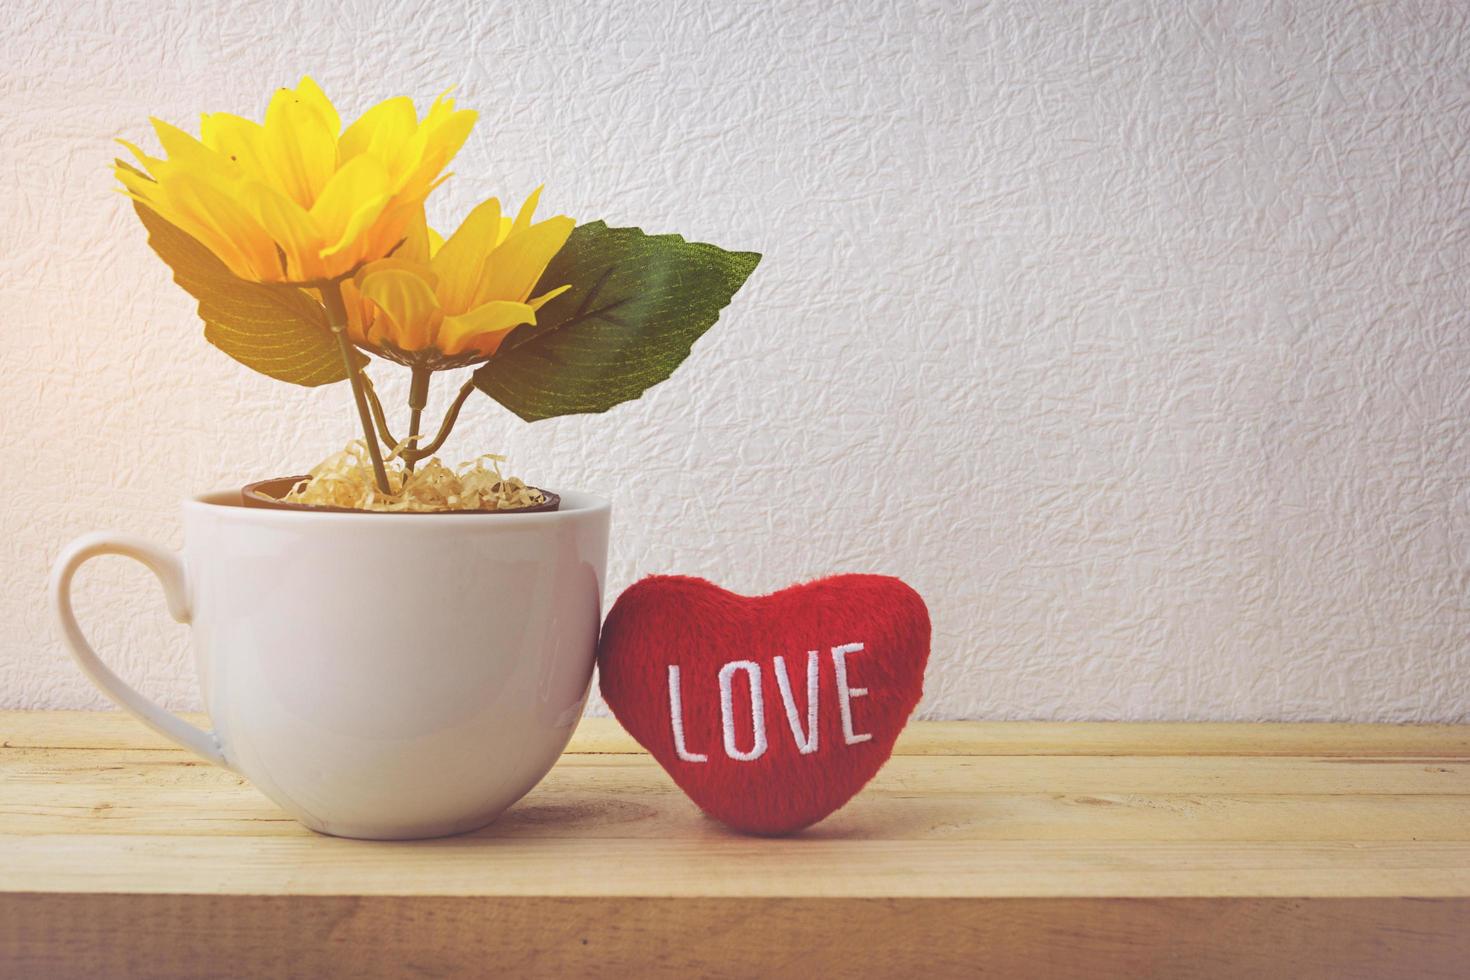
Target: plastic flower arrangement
<point>306,245</point>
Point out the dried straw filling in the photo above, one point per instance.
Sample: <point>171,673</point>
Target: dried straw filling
<point>345,479</point>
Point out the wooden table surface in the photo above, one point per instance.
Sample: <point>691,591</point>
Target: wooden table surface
<point>982,849</point>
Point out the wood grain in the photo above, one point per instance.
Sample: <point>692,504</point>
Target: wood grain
<point>113,729</point>
<point>982,849</point>
<point>372,937</point>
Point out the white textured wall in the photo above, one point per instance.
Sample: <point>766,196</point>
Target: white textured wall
<point>1134,335</point>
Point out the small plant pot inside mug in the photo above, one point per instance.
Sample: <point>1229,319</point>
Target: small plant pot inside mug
<point>270,493</point>
<point>384,676</point>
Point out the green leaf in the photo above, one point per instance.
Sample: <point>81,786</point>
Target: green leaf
<point>637,305</point>
<point>275,329</point>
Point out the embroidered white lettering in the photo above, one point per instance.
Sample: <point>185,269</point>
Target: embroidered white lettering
<point>845,694</point>
<point>757,710</point>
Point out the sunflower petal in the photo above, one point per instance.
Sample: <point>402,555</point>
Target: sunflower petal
<point>435,142</point>
<point>417,239</point>
<point>241,141</point>
<point>381,132</point>
<point>517,264</point>
<point>484,328</point>
<point>183,149</point>
<point>528,208</point>
<point>291,227</point>
<point>350,202</point>
<point>311,96</point>
<point>228,227</point>
<point>350,248</point>
<point>539,301</point>
<point>300,145</point>
<point>460,261</point>
<point>150,164</point>
<point>414,268</point>
<point>138,184</point>
<point>406,302</point>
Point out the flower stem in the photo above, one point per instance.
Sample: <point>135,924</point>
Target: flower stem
<point>384,433</point>
<point>450,417</point>
<point>337,319</point>
<point>418,397</point>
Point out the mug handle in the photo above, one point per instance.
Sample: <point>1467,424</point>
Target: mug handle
<point>170,572</point>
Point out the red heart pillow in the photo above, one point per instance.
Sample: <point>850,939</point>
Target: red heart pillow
<point>769,711</point>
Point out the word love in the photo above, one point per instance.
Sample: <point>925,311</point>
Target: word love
<point>805,735</point>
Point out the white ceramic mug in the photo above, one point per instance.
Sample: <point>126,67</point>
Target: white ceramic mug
<point>377,675</point>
